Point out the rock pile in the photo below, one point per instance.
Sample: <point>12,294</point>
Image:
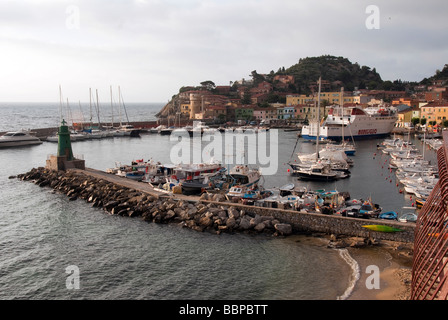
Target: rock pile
<point>118,200</point>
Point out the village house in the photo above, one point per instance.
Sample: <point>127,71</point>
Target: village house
<point>406,101</point>
<point>435,111</point>
<point>405,116</point>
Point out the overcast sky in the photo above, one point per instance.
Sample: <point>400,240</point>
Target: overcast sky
<point>151,48</point>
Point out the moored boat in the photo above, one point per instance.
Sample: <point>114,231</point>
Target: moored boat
<point>359,123</point>
<point>389,215</point>
<point>18,139</point>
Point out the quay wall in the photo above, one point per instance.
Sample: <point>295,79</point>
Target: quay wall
<point>332,224</point>
<point>211,212</point>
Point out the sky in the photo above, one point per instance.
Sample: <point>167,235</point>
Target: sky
<point>151,48</point>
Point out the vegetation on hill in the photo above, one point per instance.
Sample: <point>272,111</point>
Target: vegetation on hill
<point>337,71</point>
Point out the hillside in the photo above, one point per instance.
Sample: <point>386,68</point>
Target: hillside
<point>336,71</point>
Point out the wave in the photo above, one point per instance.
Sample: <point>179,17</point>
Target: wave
<point>345,255</point>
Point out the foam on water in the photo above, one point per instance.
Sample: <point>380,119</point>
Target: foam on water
<point>354,277</point>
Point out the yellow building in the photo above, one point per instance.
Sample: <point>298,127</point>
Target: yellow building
<point>435,112</point>
<point>330,97</point>
<point>293,100</point>
<point>185,109</point>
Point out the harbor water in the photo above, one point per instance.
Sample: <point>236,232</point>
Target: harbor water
<point>42,233</point>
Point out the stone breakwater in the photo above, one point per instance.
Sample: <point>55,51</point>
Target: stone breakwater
<point>125,197</point>
<point>119,200</point>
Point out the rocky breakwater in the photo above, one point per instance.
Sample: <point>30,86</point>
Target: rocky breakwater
<point>116,199</point>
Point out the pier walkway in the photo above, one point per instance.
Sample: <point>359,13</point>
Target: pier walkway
<point>131,184</point>
<point>301,221</point>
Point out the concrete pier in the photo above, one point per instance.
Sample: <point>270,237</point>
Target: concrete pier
<point>131,198</point>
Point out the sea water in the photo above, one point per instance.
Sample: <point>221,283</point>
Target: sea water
<point>42,233</point>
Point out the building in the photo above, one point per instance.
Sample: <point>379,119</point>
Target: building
<point>437,94</point>
<point>405,116</point>
<point>435,111</point>
<point>284,113</point>
<point>329,97</point>
<point>244,113</point>
<point>265,114</point>
<point>413,103</point>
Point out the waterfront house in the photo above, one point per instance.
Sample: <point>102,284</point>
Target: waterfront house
<point>435,111</point>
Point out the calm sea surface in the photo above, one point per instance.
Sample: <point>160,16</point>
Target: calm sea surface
<point>42,233</point>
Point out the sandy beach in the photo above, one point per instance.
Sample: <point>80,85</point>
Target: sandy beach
<point>394,261</point>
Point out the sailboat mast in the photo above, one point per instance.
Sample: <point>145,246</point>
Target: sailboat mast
<point>90,97</point>
<point>112,107</point>
<point>60,103</point>
<point>98,109</point>
<point>318,121</point>
<point>342,110</point>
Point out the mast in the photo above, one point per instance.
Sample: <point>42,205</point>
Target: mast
<point>342,110</point>
<point>112,107</point>
<point>98,109</point>
<point>318,121</point>
<point>60,103</point>
<point>90,97</point>
<point>124,107</point>
<point>82,114</point>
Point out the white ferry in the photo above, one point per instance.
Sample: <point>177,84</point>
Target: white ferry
<point>352,122</point>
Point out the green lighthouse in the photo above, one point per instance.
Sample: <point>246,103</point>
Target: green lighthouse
<point>64,143</point>
<point>64,159</point>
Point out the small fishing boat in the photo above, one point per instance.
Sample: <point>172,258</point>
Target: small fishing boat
<point>193,187</point>
<point>135,175</point>
<point>236,192</point>
<point>369,210</point>
<point>408,214</point>
<point>317,172</point>
<point>408,217</point>
<point>250,196</point>
<point>389,215</point>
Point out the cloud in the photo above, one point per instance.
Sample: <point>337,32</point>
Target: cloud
<point>153,47</point>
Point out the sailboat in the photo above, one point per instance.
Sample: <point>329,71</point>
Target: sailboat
<point>348,148</point>
<point>319,170</point>
<point>127,129</point>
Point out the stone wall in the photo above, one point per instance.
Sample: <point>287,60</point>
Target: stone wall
<point>332,224</point>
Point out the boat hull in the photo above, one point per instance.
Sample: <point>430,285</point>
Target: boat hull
<point>12,144</point>
<point>315,177</point>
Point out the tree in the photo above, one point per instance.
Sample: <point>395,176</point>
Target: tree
<point>256,78</point>
<point>247,98</point>
<point>415,121</point>
<point>209,85</point>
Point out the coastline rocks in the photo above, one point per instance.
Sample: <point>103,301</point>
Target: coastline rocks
<point>121,201</point>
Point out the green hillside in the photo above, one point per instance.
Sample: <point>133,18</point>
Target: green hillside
<point>337,71</point>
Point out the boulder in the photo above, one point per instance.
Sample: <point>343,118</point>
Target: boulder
<point>233,213</point>
<point>283,228</point>
<point>245,223</point>
<point>231,223</point>
<point>260,227</point>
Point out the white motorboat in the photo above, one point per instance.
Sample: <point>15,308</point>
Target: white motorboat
<point>18,139</point>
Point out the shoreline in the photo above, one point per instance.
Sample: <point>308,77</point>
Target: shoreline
<point>395,265</point>
<point>394,260</point>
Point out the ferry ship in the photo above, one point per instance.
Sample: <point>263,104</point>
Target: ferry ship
<point>352,123</point>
